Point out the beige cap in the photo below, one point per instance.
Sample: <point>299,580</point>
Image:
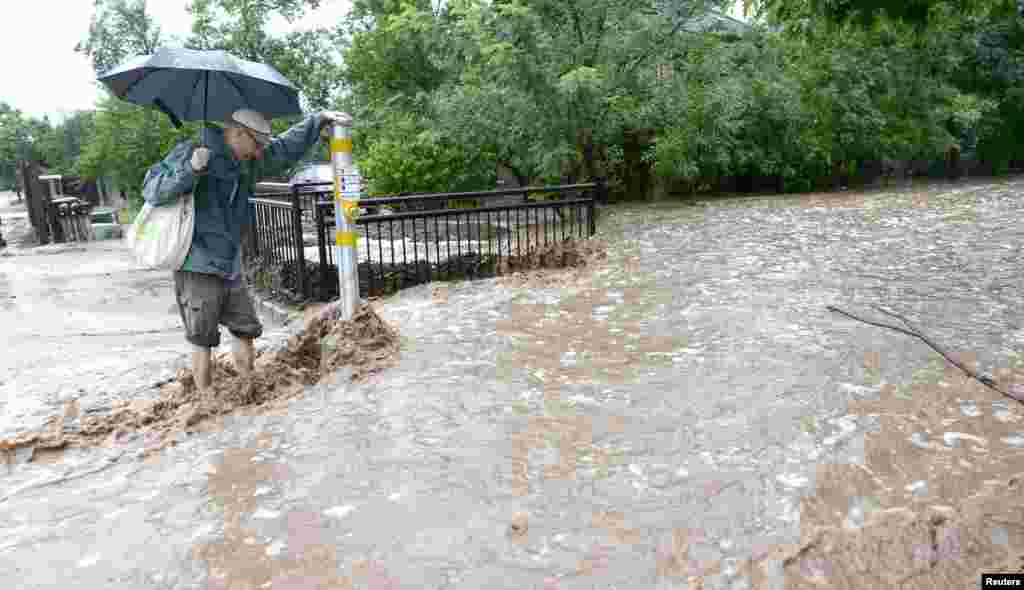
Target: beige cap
<point>254,122</point>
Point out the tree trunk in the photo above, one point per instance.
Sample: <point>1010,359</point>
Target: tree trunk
<point>585,142</point>
<point>839,176</point>
<point>953,162</point>
<point>637,172</point>
<point>521,179</point>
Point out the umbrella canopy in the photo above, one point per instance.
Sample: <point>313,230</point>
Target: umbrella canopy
<point>192,85</point>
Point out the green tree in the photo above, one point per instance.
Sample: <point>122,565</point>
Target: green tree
<point>61,144</point>
<point>15,145</point>
<point>24,138</point>
<point>119,29</point>
<point>969,56</point>
<point>125,141</point>
<point>917,13</point>
<point>307,58</point>
<point>736,109</point>
<point>537,85</point>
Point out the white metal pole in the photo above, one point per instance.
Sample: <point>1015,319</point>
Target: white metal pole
<point>346,200</point>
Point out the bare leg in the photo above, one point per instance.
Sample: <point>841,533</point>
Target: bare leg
<point>202,361</point>
<point>245,356</point>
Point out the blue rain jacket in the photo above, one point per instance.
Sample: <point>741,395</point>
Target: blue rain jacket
<point>222,195</point>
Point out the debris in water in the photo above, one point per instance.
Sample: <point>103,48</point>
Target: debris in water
<point>519,526</point>
<point>546,267</point>
<point>366,344</point>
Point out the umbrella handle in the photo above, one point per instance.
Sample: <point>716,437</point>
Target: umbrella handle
<point>206,98</point>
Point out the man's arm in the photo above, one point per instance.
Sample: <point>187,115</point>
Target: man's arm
<point>290,146</point>
<point>170,178</point>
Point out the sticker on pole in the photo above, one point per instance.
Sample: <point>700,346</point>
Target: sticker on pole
<point>347,185</point>
<point>351,183</point>
<point>349,208</point>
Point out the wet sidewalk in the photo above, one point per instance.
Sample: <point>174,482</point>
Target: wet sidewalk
<point>80,321</point>
<point>642,424</point>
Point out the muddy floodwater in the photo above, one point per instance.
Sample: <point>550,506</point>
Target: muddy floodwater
<point>680,412</point>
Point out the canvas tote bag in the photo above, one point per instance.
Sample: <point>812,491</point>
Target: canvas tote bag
<point>161,237</point>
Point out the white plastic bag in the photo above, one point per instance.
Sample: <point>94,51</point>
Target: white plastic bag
<point>161,237</point>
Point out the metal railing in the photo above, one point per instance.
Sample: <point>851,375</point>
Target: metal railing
<point>276,235</point>
<point>307,199</point>
<point>414,239</point>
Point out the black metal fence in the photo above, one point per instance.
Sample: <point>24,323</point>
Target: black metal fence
<point>414,239</point>
<point>276,236</point>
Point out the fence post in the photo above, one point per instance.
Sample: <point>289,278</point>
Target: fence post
<point>299,245</point>
<point>321,245</point>
<point>345,185</point>
<point>601,196</point>
<point>253,242</point>
<point>602,190</point>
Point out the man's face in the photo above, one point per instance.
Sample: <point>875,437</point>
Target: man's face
<point>246,147</point>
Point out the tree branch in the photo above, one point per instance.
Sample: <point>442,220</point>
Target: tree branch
<point>675,31</point>
<point>599,37</point>
<point>985,380</point>
<point>576,23</point>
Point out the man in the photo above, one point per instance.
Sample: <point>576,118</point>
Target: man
<point>209,287</point>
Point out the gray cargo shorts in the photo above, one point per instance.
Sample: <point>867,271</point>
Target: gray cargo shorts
<point>205,301</point>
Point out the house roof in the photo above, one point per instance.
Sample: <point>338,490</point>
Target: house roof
<point>716,21</point>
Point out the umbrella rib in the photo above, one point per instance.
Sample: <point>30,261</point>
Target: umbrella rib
<point>166,109</point>
<point>240,93</point>
<point>136,83</point>
<point>193,93</point>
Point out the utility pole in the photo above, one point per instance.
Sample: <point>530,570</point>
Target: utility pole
<point>347,187</point>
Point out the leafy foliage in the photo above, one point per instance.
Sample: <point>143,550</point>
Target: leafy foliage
<point>25,138</point>
<point>444,91</point>
<point>414,159</point>
<point>126,140</point>
<point>538,84</point>
<point>119,29</point>
<point>122,141</point>
<point>306,58</point>
<point>864,13</point>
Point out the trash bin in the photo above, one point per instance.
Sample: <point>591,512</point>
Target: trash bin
<point>107,231</point>
<point>104,215</point>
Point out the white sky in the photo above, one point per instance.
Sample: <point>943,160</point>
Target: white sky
<point>42,74</point>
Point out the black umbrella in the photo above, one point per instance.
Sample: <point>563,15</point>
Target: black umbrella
<point>192,85</point>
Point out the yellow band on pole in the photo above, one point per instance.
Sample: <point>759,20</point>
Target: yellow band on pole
<point>341,144</point>
<point>345,238</point>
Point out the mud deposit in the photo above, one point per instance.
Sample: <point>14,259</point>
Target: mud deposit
<point>939,500</point>
<point>365,344</point>
<point>553,266</point>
